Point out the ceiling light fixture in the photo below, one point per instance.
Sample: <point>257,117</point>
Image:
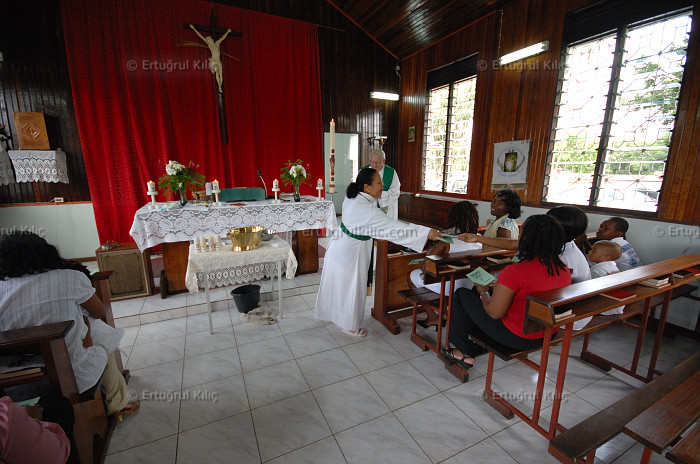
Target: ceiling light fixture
<point>384,95</point>
<point>524,53</point>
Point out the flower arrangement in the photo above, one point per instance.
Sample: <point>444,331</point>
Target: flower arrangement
<point>179,178</point>
<point>294,174</point>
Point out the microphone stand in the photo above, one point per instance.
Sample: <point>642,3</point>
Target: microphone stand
<point>263,181</point>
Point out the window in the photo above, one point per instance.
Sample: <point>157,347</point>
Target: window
<point>615,114</point>
<point>449,119</point>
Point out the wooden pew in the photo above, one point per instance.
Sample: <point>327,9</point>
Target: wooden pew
<point>584,300</point>
<point>446,268</point>
<point>580,442</point>
<point>686,450</point>
<point>93,428</point>
<point>391,273</point>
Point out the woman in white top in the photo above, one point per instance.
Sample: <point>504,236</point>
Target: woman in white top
<point>505,207</point>
<point>574,221</point>
<point>342,291</point>
<point>38,287</point>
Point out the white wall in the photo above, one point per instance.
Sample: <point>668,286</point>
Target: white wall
<point>652,240</point>
<point>70,227</point>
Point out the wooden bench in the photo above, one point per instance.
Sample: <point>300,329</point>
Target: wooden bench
<point>579,443</point>
<point>584,300</point>
<point>93,428</point>
<point>686,450</point>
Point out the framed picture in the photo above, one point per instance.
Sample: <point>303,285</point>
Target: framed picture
<point>412,134</point>
<point>510,161</point>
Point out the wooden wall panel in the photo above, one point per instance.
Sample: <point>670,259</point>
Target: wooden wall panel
<point>34,77</point>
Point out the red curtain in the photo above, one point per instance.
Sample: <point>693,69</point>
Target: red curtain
<point>143,98</point>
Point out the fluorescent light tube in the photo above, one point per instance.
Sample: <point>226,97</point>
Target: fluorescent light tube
<point>524,53</point>
<point>384,95</point>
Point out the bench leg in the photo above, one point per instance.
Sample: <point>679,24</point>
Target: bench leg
<point>490,396</point>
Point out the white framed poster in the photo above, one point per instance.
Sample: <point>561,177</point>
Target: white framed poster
<point>510,161</point>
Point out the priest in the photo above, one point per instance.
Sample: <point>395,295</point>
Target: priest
<point>347,263</point>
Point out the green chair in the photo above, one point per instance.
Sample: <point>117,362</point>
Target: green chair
<point>242,194</point>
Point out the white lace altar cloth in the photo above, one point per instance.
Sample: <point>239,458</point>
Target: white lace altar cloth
<point>7,175</point>
<point>227,267</point>
<point>152,227</point>
<point>39,165</point>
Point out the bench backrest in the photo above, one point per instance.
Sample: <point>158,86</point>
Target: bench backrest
<point>584,299</point>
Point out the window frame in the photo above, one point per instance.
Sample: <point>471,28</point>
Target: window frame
<point>575,34</point>
<point>449,75</point>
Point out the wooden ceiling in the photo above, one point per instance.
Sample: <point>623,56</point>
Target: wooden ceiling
<point>403,27</point>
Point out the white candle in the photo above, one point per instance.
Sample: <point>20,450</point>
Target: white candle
<point>332,141</point>
<point>151,186</point>
<point>215,186</point>
<point>275,185</point>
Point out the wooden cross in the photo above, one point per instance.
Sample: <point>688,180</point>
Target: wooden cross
<point>215,65</point>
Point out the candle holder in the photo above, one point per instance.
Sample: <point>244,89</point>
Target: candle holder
<point>153,204</point>
<point>320,189</point>
<point>216,198</point>
<point>276,200</point>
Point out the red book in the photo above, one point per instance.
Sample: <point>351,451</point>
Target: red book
<point>619,294</point>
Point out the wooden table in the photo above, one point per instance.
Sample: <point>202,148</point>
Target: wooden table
<point>174,228</point>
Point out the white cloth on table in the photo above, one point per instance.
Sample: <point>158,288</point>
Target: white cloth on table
<point>153,227</point>
<point>7,175</point>
<point>227,267</point>
<point>343,289</point>
<point>56,296</point>
<point>39,165</point>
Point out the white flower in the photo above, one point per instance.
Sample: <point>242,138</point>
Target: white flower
<point>297,171</point>
<point>173,168</point>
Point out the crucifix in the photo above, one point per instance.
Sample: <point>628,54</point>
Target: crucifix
<point>215,65</point>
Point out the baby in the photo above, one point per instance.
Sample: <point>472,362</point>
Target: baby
<point>614,229</point>
<point>602,257</point>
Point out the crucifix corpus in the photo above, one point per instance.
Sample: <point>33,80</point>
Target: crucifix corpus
<point>215,65</point>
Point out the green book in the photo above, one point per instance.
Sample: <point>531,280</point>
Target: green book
<point>480,277</point>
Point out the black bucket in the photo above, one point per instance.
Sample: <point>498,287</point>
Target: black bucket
<point>246,297</point>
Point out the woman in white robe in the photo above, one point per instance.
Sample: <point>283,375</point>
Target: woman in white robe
<point>343,289</point>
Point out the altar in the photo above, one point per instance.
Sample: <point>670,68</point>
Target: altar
<point>173,228</point>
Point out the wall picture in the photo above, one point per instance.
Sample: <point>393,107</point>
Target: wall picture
<point>510,162</point>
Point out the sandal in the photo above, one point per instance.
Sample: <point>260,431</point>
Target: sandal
<point>449,352</point>
<point>356,333</point>
<point>130,408</point>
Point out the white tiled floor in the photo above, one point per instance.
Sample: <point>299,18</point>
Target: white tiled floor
<point>301,391</point>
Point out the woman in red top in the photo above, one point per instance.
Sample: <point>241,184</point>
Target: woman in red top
<point>501,315</point>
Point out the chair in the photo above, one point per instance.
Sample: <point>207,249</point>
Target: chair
<point>242,194</point>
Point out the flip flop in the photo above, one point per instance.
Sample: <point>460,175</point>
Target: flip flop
<point>356,333</point>
<point>449,352</point>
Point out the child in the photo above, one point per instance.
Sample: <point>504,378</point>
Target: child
<point>603,256</point>
<point>614,229</point>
